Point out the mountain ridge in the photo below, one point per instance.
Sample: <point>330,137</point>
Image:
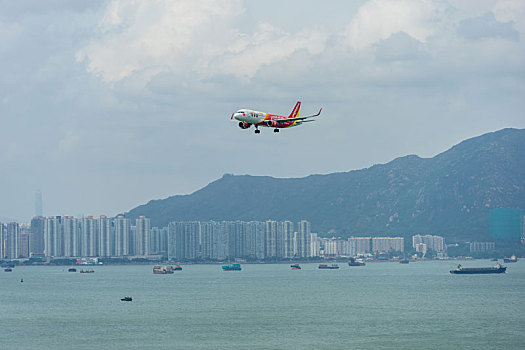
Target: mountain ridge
<point>449,194</point>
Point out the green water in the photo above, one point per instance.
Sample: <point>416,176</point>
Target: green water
<point>378,306</point>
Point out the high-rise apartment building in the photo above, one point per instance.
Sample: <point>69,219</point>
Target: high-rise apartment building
<point>53,237</point>
<point>36,240</point>
<point>142,236</point>
<point>122,235</point>
<point>387,244</point>
<point>436,243</point>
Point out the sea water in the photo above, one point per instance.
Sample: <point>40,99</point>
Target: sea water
<point>265,306</point>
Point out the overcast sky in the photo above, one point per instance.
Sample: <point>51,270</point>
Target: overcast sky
<point>105,105</point>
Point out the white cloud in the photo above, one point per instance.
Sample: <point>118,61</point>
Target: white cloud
<point>379,19</point>
<point>203,37</point>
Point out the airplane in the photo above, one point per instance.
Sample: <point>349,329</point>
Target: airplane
<point>248,117</point>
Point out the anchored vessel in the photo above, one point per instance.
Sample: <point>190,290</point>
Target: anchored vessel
<point>354,262</point>
<point>498,268</point>
<point>295,267</point>
<point>162,270</point>
<point>232,267</point>
<point>512,259</point>
<point>328,267</point>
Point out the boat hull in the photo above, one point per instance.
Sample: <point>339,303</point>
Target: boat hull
<point>479,271</point>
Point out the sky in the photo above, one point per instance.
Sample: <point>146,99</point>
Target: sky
<point>105,105</point>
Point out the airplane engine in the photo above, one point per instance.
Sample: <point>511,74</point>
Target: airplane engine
<point>244,125</point>
<point>271,123</point>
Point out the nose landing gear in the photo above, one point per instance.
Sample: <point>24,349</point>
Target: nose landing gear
<point>257,131</point>
<point>275,130</point>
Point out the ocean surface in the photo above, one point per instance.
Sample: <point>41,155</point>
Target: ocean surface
<point>265,306</point>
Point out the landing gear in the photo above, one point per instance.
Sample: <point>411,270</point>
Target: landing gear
<point>257,131</point>
<point>275,130</point>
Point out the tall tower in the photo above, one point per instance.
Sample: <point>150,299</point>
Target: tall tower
<point>38,203</point>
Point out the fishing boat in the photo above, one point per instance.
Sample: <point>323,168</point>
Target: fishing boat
<point>328,267</point>
<point>295,267</point>
<point>460,270</point>
<point>232,267</point>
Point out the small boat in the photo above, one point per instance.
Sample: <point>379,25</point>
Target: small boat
<point>512,259</point>
<point>460,270</point>
<point>8,269</point>
<point>72,269</point>
<point>232,267</point>
<point>87,271</point>
<point>127,299</point>
<point>328,267</point>
<point>404,261</point>
<point>178,268</point>
<point>354,262</point>
<point>163,270</point>
<point>295,267</point>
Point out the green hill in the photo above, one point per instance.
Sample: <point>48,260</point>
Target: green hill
<point>449,195</point>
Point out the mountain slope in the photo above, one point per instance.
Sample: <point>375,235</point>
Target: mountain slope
<point>449,194</point>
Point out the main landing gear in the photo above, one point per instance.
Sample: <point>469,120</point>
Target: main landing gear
<point>275,130</point>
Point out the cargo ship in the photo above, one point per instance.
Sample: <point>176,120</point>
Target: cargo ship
<point>354,262</point>
<point>162,270</point>
<point>512,259</point>
<point>295,267</point>
<point>328,267</point>
<point>232,267</point>
<point>498,268</point>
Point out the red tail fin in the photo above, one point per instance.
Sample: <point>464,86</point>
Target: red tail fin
<point>295,110</point>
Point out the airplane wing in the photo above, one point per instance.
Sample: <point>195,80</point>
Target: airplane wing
<point>286,120</point>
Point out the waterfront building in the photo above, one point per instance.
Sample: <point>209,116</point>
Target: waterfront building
<point>303,239</point>
<point>158,240</point>
<point>476,247</point>
<point>106,235</point>
<point>387,244</point>
<point>36,240</point>
<point>122,235</point>
<point>23,247</point>
<point>271,239</point>
<point>315,245</point>
<point>53,237</point>
<point>142,236</point>
<point>183,240</point>
<point>436,243</point>
<point>361,244</point>
<point>506,223</point>
<point>421,248</point>
<point>89,237</point>
<point>11,241</point>
<point>70,232</point>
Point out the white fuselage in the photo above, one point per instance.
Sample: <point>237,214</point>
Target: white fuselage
<point>249,116</point>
